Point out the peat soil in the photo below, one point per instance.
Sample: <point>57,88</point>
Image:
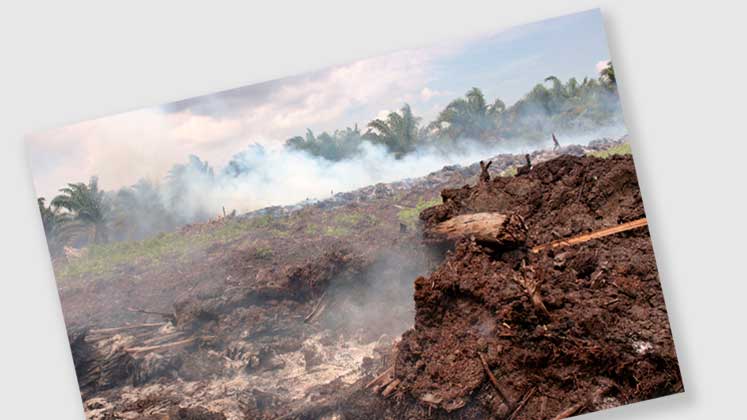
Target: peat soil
<point>236,332</point>
<point>597,336</point>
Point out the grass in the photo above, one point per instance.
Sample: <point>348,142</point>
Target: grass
<point>263,252</point>
<point>509,172</point>
<point>337,231</point>
<point>409,216</point>
<point>105,258</point>
<point>620,149</point>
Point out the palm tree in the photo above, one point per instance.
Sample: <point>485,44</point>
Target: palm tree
<point>399,132</point>
<point>54,222</point>
<point>50,216</point>
<point>470,117</point>
<point>87,206</point>
<point>608,76</point>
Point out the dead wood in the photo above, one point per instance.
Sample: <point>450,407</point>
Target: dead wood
<point>484,173</point>
<point>570,411</point>
<point>161,346</point>
<point>125,328</point>
<point>523,170</point>
<point>531,286</point>
<point>161,338</point>
<point>390,388</point>
<point>522,403</point>
<point>320,305</point>
<point>635,224</point>
<point>386,376</point>
<point>493,380</point>
<point>491,228</point>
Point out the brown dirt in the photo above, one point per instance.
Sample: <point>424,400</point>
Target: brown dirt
<point>604,339</point>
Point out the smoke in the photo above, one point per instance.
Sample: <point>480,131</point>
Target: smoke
<point>259,177</point>
<point>380,300</point>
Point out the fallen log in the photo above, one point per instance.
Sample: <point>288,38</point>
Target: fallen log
<point>490,228</point>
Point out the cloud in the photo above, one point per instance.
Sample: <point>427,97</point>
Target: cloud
<point>426,94</point>
<point>122,148</point>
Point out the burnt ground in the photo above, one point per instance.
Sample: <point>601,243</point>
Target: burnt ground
<point>603,339</point>
<point>289,312</point>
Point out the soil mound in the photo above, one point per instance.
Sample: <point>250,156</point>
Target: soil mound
<point>514,333</point>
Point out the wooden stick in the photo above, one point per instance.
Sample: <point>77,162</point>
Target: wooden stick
<point>161,338</point>
<point>390,388</point>
<point>589,400</point>
<point>635,224</point>
<point>521,405</point>
<point>570,411</point>
<point>160,346</point>
<point>125,328</point>
<point>318,308</point>
<point>493,380</point>
<point>381,378</point>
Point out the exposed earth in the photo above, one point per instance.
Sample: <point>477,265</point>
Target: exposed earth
<point>348,308</point>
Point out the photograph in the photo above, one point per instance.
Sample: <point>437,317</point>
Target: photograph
<point>454,231</point>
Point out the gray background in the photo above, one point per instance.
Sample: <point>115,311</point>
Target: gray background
<point>681,69</point>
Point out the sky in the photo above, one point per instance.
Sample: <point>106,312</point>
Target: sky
<point>123,148</point>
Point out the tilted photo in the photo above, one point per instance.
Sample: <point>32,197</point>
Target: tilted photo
<point>449,232</point>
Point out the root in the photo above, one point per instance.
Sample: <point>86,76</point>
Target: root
<point>522,403</point>
<point>531,286</point>
<point>493,380</point>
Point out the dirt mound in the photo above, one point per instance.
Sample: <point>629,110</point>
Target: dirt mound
<point>562,197</point>
<point>577,329</point>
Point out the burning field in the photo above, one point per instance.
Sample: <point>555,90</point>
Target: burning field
<point>487,291</point>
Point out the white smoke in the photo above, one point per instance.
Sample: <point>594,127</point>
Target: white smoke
<point>282,176</point>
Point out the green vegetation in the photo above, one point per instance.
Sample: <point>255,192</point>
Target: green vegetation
<point>312,229</point>
<point>88,210</point>
<point>620,149</point>
<point>337,231</point>
<point>106,258</point>
<point>509,172</point>
<point>399,132</point>
<point>409,216</point>
<point>560,107</point>
<point>263,252</point>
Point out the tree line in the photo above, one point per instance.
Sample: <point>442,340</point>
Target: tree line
<point>567,107</point>
<point>82,213</point>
